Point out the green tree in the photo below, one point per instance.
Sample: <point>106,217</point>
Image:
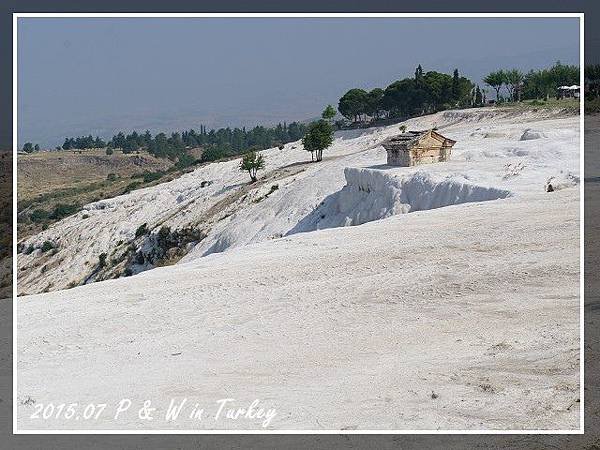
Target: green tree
<point>496,80</point>
<point>514,80</point>
<point>533,85</point>
<point>328,113</point>
<point>318,137</point>
<point>400,98</point>
<point>465,89</point>
<point>147,138</point>
<point>28,147</point>
<point>375,102</point>
<point>99,143</point>
<point>548,83</point>
<point>419,77</point>
<point>212,153</point>
<point>36,148</point>
<point>353,104</point>
<point>455,86</point>
<point>119,140</point>
<point>564,74</point>
<point>251,163</point>
<point>439,90</point>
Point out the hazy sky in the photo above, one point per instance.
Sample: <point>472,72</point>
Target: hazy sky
<point>85,75</point>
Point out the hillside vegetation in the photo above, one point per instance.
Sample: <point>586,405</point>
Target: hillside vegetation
<point>53,185</point>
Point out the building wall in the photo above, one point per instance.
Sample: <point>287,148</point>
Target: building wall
<point>423,155</point>
<point>398,158</point>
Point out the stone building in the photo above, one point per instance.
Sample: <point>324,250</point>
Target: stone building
<point>417,147</point>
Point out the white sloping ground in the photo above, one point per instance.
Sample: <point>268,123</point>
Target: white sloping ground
<point>496,164</point>
<point>252,218</point>
<point>178,204</point>
<point>350,328</point>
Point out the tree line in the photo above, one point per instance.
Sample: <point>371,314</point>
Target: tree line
<point>215,144</point>
<point>83,142</point>
<point>514,85</point>
<point>423,93</point>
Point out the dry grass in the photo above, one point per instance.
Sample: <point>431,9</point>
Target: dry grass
<point>48,179</point>
<point>46,172</point>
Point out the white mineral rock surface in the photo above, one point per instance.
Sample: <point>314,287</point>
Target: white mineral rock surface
<point>453,304</point>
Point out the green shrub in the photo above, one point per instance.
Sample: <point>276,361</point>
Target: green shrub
<point>132,186</point>
<point>152,176</point>
<point>184,161</point>
<point>212,154</point>
<point>38,215</point>
<point>164,233</point>
<point>63,210</point>
<point>112,177</point>
<point>102,260</point>
<point>47,245</point>
<point>141,230</point>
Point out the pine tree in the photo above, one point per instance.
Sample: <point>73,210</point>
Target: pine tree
<point>455,86</point>
<point>419,76</point>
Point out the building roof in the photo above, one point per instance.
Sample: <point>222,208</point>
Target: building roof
<point>410,138</point>
<point>407,138</point>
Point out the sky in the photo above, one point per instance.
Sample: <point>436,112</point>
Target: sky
<point>80,76</point>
